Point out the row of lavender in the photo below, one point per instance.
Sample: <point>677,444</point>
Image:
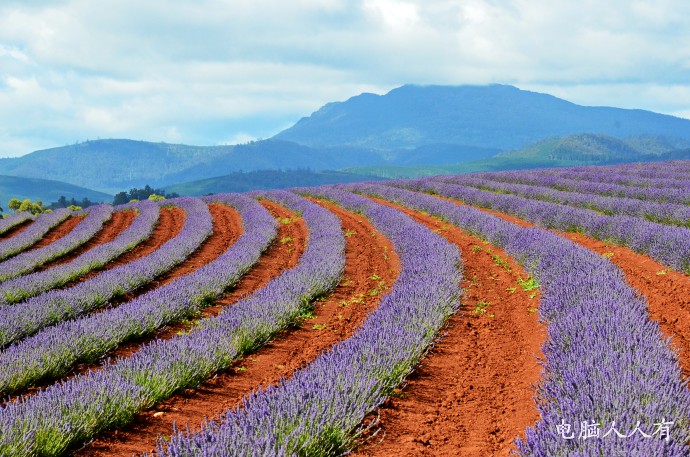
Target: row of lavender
<point>665,213</point>
<point>26,318</point>
<point>320,409</point>
<point>636,175</point>
<point>662,194</point>
<point>33,233</point>
<point>28,285</point>
<point>667,244</point>
<point>10,222</point>
<point>70,412</point>
<point>607,365</point>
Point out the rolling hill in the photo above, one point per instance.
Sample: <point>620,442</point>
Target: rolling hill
<point>265,180</point>
<point>495,116</point>
<point>422,127</point>
<point>45,190</point>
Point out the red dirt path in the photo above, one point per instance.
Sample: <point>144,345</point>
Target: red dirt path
<point>57,232</point>
<point>170,223</point>
<point>143,431</point>
<point>16,230</point>
<point>337,317</point>
<point>118,223</point>
<point>667,292</point>
<point>472,395</point>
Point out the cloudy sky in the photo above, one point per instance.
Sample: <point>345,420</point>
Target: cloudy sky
<point>227,71</point>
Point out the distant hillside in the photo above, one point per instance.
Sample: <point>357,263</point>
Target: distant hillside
<point>411,126</point>
<point>109,165</point>
<point>117,165</point>
<point>496,116</point>
<point>45,190</point>
<point>264,180</point>
<point>569,151</point>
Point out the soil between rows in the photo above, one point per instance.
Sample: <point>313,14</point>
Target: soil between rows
<point>666,291</point>
<point>57,232</point>
<point>368,255</point>
<point>141,434</point>
<point>472,394</point>
<point>118,223</point>
<point>170,223</point>
<point>16,229</point>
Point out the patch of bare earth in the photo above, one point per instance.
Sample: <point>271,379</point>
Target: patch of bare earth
<point>111,229</point>
<point>170,223</point>
<point>16,230</point>
<point>472,394</point>
<point>57,232</point>
<point>371,267</point>
<point>667,292</point>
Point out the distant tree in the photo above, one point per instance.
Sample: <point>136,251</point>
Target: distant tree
<point>141,194</point>
<point>120,198</point>
<point>75,207</point>
<point>14,204</point>
<point>156,197</point>
<point>27,205</point>
<point>62,202</point>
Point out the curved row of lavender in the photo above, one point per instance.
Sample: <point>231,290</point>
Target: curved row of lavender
<point>26,262</point>
<point>56,350</point>
<point>663,213</point>
<point>623,174</point>
<point>606,361</point>
<point>320,409</point>
<point>26,318</point>
<point>8,223</point>
<point>666,244</point>
<point>536,177</point>
<point>73,411</point>
<point>626,174</point>
<point>29,285</point>
<point>33,233</point>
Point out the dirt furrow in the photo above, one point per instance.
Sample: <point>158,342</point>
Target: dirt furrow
<point>371,267</point>
<point>16,230</point>
<point>54,234</point>
<point>111,229</point>
<point>667,292</point>
<point>472,394</point>
<point>170,223</point>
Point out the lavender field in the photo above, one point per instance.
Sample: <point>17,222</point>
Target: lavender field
<point>101,356</point>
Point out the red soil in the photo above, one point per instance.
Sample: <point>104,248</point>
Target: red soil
<point>16,229</point>
<point>227,227</point>
<point>141,434</point>
<point>169,225</point>
<point>667,292</point>
<point>111,229</point>
<point>472,394</point>
<point>337,317</point>
<point>57,232</point>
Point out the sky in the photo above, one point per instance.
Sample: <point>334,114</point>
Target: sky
<point>209,72</point>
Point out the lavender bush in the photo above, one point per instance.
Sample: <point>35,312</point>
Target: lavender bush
<point>71,412</point>
<point>23,319</point>
<point>318,410</point>
<point>83,232</point>
<point>665,213</point>
<point>8,223</point>
<point>33,233</point>
<point>18,289</point>
<point>668,245</point>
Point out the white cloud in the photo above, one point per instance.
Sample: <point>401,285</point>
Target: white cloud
<point>205,71</point>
